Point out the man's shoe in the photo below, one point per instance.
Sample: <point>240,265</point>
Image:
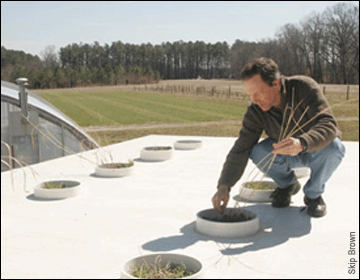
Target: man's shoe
<point>315,207</point>
<point>282,196</point>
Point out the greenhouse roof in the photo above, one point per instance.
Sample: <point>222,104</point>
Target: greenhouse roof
<point>11,91</point>
<point>154,211</point>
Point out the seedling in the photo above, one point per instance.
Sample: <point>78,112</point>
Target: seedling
<point>52,185</point>
<point>259,186</point>
<point>159,271</point>
<point>117,165</point>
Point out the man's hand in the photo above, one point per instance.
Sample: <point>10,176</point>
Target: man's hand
<point>289,146</point>
<point>221,196</point>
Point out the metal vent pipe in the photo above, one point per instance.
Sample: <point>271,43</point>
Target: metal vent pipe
<point>23,98</point>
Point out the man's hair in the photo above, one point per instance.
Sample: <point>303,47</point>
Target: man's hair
<point>266,67</point>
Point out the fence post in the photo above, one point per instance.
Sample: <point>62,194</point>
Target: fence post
<point>348,92</point>
<point>324,90</point>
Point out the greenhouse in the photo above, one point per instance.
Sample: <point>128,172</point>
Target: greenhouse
<point>33,130</point>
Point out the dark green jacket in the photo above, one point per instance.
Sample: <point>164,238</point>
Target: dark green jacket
<point>318,127</point>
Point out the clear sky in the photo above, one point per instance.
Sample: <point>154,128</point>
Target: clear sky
<point>30,26</point>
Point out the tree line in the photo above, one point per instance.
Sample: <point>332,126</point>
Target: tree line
<point>51,73</point>
<point>324,46</point>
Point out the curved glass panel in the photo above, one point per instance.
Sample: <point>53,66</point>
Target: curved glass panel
<point>47,135</point>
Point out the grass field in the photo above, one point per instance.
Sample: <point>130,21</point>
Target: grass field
<point>168,102</point>
<point>120,108</point>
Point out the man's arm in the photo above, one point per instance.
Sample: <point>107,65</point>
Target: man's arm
<point>239,154</point>
<point>324,127</point>
<point>236,160</point>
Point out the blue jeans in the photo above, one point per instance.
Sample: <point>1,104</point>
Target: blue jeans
<point>322,163</point>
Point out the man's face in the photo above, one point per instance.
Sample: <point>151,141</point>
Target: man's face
<point>262,94</point>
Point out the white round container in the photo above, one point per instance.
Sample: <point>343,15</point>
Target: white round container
<point>253,195</point>
<point>156,153</point>
<point>191,264</point>
<point>187,144</point>
<point>105,171</point>
<point>72,189</point>
<point>226,229</point>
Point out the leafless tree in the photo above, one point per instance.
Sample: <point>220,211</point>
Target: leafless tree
<point>342,37</point>
<point>50,58</point>
<point>324,46</point>
<point>313,34</point>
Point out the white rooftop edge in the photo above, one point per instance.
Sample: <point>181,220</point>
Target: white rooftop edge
<point>154,210</point>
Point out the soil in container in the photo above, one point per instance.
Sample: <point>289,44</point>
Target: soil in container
<point>188,141</point>
<point>158,148</point>
<point>232,216</point>
<point>116,165</point>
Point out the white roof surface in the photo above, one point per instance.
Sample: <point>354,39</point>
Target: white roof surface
<point>154,211</point>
